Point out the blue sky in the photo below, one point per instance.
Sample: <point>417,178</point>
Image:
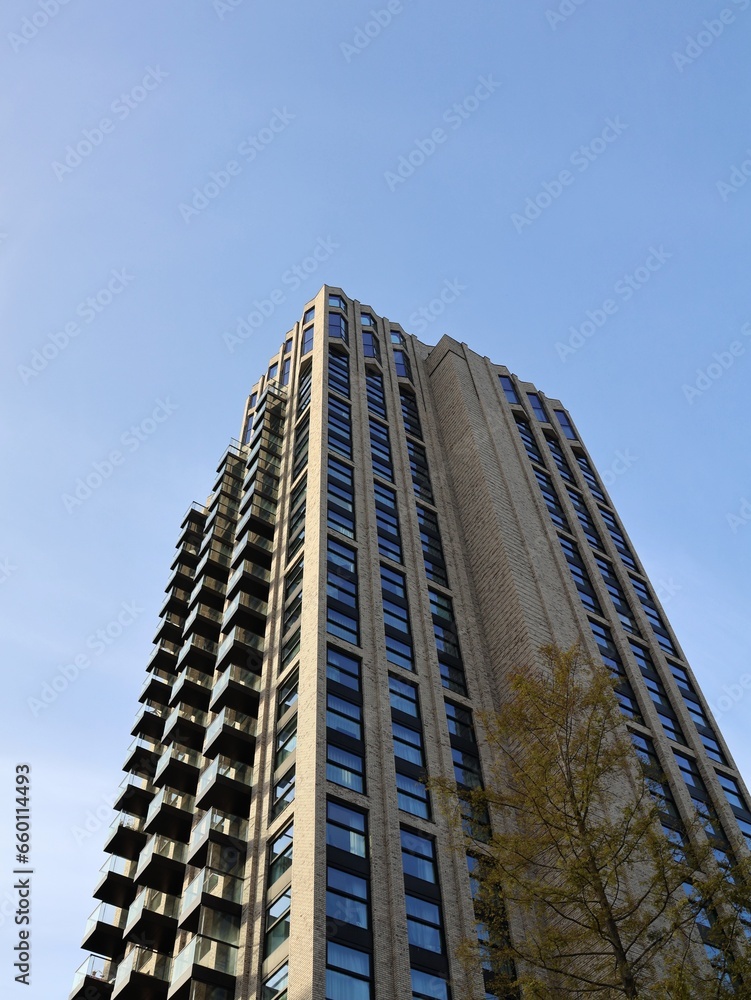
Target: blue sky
<point>586,159</point>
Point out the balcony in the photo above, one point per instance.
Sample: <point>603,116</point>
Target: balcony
<point>216,827</point>
<point>170,627</point>
<point>261,513</point>
<point>142,756</point>
<point>204,960</point>
<point>187,549</point>
<point>164,655</point>
<point>157,686</point>
<point>210,888</point>
<point>142,975</point>
<point>181,576</point>
<point>150,719</point>
<point>176,601</point>
<point>208,590</point>
<point>116,886</point>
<point>205,620</point>
<point>236,688</point>
<point>93,980</point>
<point>232,733</point>
<point>103,933</point>
<point>171,813</point>
<point>187,725</point>
<point>227,784</point>
<point>178,767</point>
<point>240,646</point>
<point>192,686</point>
<point>152,917</point>
<point>246,610</point>
<point>251,545</point>
<point>252,577</point>
<point>162,864</point>
<point>136,792</point>
<point>127,837</point>
<point>198,652</point>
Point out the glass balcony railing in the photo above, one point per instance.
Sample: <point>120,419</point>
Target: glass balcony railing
<point>106,913</point>
<point>212,883</point>
<point>219,822</point>
<point>186,713</point>
<point>180,755</point>
<point>236,675</point>
<point>193,675</point>
<point>225,767</point>
<point>159,673</point>
<point>162,847</point>
<point>119,866</point>
<point>205,612</point>
<point>232,719</point>
<point>242,636</point>
<point>197,642</point>
<point>247,603</point>
<point>207,953</point>
<point>153,901</point>
<point>170,798</point>
<point>251,569</point>
<point>94,967</point>
<point>126,821</point>
<point>144,962</point>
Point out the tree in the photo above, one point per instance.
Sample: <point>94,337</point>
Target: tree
<point>610,905</point>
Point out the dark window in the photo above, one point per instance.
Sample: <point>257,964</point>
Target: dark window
<point>560,460</point>
<point>402,363</point>
<point>528,440</point>
<point>565,423</point>
<point>380,450</point>
<point>412,796</point>
<point>346,829</point>
<point>387,522</point>
<point>342,618</point>
<point>275,987</point>
<point>370,346</point>
<point>288,347</point>
<point>618,597</point>
<point>585,519</point>
<point>624,692</point>
<point>346,897</point>
<point>287,695</point>
<point>343,716</point>
<point>551,499</point>
<point>407,744</point>
<point>273,370</point>
<point>432,549</point>
<point>589,477</point>
<point>307,339</point>
<point>655,618</point>
<point>508,388</point>
<point>403,697</point>
<point>424,924</point>
<point>426,986</point>
<point>336,301</point>
<point>396,619</point>
<point>374,391</point>
<point>304,389</point>
<point>342,668</point>
<point>286,742</point>
<point>410,412</point>
<point>309,316</point>
<point>366,319</point>
<point>345,768</point>
<point>459,721</point>
<point>300,457</point>
<point>347,973</point>
<point>418,856</point>
<point>618,539</point>
<point>580,576</point>
<point>467,769</point>
<point>280,854</point>
<point>341,497</point>
<point>338,327</point>
<point>339,373</point>
<point>285,371</point>
<point>537,408</point>
<point>340,427</point>
<point>418,463</point>
<point>277,922</point>
<point>284,793</point>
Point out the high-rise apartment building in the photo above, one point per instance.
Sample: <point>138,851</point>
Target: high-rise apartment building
<point>397,527</point>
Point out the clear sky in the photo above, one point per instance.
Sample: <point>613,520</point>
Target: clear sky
<point>563,163</point>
